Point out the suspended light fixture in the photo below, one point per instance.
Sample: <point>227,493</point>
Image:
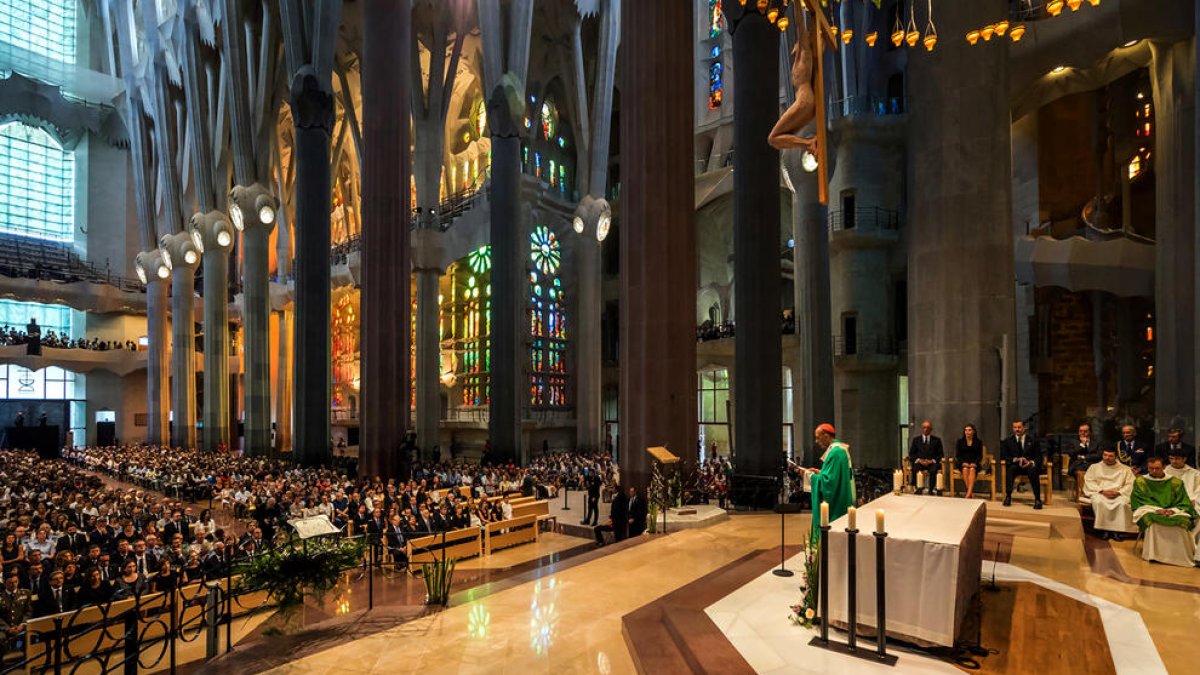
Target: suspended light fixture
<point>1057,69</point>
<point>808,161</point>
<point>1074,4</point>
<point>1017,32</point>
<point>1001,27</point>
<point>772,14</point>
<point>897,32</point>
<point>762,5</point>
<point>987,32</point>
<point>930,31</point>
<point>1094,3</point>
<point>782,23</point>
<point>1055,7</point>
<point>973,36</point>
<point>871,38</point>
<point>913,34</point>
<point>847,36</point>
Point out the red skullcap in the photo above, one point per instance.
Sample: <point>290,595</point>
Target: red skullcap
<point>827,428</point>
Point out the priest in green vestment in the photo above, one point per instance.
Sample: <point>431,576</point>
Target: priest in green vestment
<point>1165,514</point>
<point>834,482</point>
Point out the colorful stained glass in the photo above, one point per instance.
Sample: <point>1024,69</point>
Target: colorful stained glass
<point>549,120</point>
<point>544,250</point>
<point>480,260</point>
<point>716,85</point>
<point>714,18</point>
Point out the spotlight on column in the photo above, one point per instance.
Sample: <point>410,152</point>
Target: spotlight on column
<point>577,223</point>
<point>253,201</point>
<point>808,161</point>
<point>211,232</point>
<point>181,247</point>
<point>593,212</point>
<point>604,223</point>
<point>152,265</point>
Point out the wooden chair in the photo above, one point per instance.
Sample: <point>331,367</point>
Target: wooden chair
<point>1046,478</point>
<point>986,474</point>
<point>1076,480</point>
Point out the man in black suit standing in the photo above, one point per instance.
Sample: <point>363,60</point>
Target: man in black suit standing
<point>1175,442</point>
<point>1132,451</point>
<point>1084,453</point>
<point>637,513</point>
<point>592,510</point>
<point>1024,458</point>
<point>925,455</point>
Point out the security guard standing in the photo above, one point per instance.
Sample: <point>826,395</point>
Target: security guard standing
<point>15,609</point>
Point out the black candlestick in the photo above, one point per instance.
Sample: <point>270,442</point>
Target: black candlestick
<point>852,586</point>
<point>783,571</point>
<point>824,589</point>
<point>880,595</point>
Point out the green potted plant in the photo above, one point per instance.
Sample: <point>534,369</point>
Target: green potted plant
<point>293,571</point>
<point>438,576</point>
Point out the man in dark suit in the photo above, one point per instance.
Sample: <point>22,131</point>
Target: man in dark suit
<point>57,598</point>
<point>1023,455</point>
<point>618,519</point>
<point>147,562</point>
<point>592,509</point>
<point>177,525</point>
<point>1084,452</point>
<point>1132,451</point>
<point>925,456</point>
<point>396,542</point>
<point>637,513</point>
<point>1175,442</point>
<point>73,541</point>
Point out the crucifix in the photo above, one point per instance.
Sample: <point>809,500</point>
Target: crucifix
<point>808,78</point>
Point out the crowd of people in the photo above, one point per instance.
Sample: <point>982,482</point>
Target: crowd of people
<point>68,540</point>
<point>11,336</point>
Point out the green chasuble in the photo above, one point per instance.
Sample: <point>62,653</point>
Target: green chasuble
<point>1164,493</point>
<point>834,484</point>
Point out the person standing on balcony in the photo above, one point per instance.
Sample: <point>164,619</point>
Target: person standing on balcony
<point>33,338</point>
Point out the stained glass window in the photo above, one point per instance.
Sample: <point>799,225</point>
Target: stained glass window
<point>714,18</point>
<point>37,184</point>
<point>44,28</point>
<point>466,324</point>
<point>716,85</point>
<point>549,120</point>
<point>547,322</point>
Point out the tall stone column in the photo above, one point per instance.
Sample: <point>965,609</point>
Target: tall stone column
<point>960,335</point>
<point>256,313</point>
<point>386,245</point>
<point>589,422</point>
<point>758,355</point>
<point>312,112</point>
<point>1172,76</point>
<point>185,258</point>
<point>509,279</point>
<point>428,269</point>
<point>216,236</point>
<point>658,239</point>
<point>155,273</point>
<point>813,384</point>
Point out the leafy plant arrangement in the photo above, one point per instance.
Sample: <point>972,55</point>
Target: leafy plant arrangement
<point>291,571</point>
<point>438,576</point>
<point>805,613</point>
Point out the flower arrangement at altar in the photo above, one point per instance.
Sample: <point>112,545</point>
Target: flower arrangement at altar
<point>805,613</point>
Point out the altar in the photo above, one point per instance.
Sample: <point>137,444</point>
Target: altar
<point>934,552</point>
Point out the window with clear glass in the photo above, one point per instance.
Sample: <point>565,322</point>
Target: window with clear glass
<point>37,184</point>
<point>16,315</point>
<point>50,383</point>
<point>43,27</point>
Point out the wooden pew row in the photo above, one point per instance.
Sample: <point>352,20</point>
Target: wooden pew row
<point>511,532</point>
<point>462,543</point>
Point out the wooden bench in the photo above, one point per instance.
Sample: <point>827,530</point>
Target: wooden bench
<point>539,508</point>
<point>510,532</point>
<point>438,495</point>
<point>462,543</point>
<point>93,630</point>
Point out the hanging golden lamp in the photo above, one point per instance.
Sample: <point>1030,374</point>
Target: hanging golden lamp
<point>1074,4</point>
<point>871,38</point>
<point>973,36</point>
<point>772,14</point>
<point>762,5</point>
<point>897,32</point>
<point>847,36</point>
<point>986,32</point>
<point>782,23</point>
<point>1017,32</point>
<point>1055,7</point>
<point>913,34</point>
<point>1094,3</point>
<point>1002,27</point>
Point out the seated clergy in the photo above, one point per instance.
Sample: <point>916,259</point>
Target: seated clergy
<point>1165,515</point>
<point>1191,480</point>
<point>1107,486</point>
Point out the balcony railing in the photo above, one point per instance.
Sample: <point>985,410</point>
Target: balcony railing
<point>864,218</point>
<point>864,345</point>
<point>855,106</point>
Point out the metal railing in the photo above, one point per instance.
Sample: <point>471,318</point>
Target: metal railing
<point>49,261</point>
<point>864,345</point>
<point>864,218</point>
<point>855,106</point>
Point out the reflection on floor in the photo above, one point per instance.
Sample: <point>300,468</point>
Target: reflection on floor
<point>567,617</point>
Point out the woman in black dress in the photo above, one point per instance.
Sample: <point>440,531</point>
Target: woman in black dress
<point>94,591</point>
<point>969,453</point>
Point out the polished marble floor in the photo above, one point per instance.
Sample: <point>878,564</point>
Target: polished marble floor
<point>567,618</point>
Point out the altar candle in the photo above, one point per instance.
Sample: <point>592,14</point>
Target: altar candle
<point>824,514</point>
<point>941,482</point>
<point>897,480</point>
<point>921,480</point>
<point>852,516</point>
<point>879,521</point>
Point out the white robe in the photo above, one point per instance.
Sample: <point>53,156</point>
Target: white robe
<point>1191,480</point>
<point>1113,514</point>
